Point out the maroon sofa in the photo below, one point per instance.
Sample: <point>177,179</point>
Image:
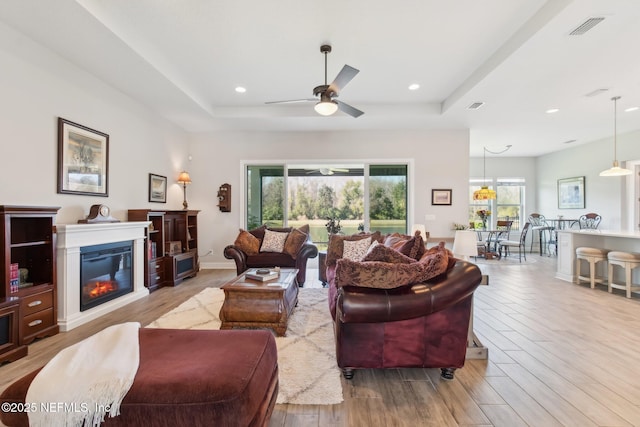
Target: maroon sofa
<point>424,325</point>
<point>188,378</point>
<point>272,259</point>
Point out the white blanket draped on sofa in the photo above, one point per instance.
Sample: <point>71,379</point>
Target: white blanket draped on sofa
<point>85,381</point>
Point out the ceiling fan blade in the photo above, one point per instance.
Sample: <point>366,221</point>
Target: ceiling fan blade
<point>346,108</point>
<point>344,76</point>
<point>292,101</point>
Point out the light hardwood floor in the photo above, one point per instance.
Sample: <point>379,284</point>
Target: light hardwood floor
<point>559,354</point>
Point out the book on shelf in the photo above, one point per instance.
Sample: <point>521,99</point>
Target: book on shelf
<point>262,274</point>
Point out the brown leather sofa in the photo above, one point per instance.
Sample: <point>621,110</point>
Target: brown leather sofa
<point>424,325</point>
<point>272,259</point>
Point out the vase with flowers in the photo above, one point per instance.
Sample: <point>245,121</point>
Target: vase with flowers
<point>484,215</point>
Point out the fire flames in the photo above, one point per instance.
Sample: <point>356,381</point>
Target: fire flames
<point>101,288</point>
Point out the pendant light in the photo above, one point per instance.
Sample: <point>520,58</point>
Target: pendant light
<point>615,170</point>
<point>485,193</point>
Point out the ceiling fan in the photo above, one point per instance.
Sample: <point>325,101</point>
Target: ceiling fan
<point>327,105</point>
<point>327,171</point>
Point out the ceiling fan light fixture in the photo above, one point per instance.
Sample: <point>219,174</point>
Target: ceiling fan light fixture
<point>326,108</point>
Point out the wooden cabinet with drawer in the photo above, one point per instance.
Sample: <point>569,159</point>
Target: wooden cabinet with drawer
<point>156,274</point>
<point>38,316</point>
<point>28,269</point>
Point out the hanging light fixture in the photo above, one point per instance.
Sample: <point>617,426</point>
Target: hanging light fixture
<point>615,170</point>
<point>485,193</point>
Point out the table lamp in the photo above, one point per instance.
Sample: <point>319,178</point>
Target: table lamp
<point>184,179</point>
<point>465,244</point>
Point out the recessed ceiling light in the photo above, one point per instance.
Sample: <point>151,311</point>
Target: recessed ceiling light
<point>552,110</point>
<point>414,86</point>
<point>628,110</point>
<point>241,89</point>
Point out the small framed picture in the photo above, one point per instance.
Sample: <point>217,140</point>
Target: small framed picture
<point>157,188</point>
<point>441,197</point>
<point>83,160</point>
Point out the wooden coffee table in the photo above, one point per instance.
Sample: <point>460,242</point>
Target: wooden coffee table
<point>253,304</point>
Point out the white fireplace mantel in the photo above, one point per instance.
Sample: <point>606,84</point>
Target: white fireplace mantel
<point>70,239</point>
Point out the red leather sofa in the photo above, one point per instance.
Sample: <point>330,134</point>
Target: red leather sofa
<point>420,325</point>
<point>272,259</point>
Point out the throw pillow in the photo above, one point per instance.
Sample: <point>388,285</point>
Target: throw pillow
<point>336,244</point>
<point>273,241</point>
<point>247,243</point>
<point>294,242</point>
<point>413,247</point>
<point>355,250</point>
<point>385,275</point>
<point>385,254</point>
<point>259,232</point>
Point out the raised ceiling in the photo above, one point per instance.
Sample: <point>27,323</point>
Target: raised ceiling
<point>185,58</point>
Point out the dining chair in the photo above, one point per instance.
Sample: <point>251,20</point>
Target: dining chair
<point>503,232</point>
<point>520,244</point>
<point>589,221</point>
<point>538,223</point>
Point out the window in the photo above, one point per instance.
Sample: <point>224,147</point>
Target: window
<point>362,197</point>
<point>509,201</point>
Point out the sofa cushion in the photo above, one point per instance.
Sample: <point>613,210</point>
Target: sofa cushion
<point>386,275</point>
<point>412,247</point>
<point>355,250</point>
<point>336,244</point>
<point>273,241</point>
<point>247,242</point>
<point>294,242</point>
<point>383,253</point>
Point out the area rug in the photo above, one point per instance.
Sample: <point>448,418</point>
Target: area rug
<point>308,373</point>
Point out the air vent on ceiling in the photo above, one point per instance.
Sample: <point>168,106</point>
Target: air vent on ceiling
<point>596,92</point>
<point>475,105</point>
<point>586,26</point>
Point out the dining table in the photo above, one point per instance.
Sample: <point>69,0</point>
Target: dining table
<point>554,225</point>
<point>491,240</point>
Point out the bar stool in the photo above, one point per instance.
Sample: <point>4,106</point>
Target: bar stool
<point>592,256</point>
<point>628,261</point>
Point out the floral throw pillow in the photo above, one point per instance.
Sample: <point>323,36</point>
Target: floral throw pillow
<point>355,250</point>
<point>273,241</point>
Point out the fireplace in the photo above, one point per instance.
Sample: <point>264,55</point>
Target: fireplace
<point>72,240</point>
<point>106,273</point>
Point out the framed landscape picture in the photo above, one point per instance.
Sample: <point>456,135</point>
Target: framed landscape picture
<point>440,197</point>
<point>571,193</point>
<point>157,188</point>
<point>83,160</point>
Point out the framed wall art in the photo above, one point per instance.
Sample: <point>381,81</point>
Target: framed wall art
<point>571,193</point>
<point>157,188</point>
<point>83,160</point>
<point>441,197</point>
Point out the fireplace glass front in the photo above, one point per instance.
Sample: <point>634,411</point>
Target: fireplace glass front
<point>106,273</point>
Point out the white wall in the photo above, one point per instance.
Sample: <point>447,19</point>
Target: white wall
<point>440,160</point>
<point>36,88</point>
<point>603,195</point>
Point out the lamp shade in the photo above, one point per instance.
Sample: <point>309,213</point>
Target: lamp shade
<point>326,108</point>
<point>615,170</point>
<point>484,193</point>
<point>465,244</point>
<point>184,178</point>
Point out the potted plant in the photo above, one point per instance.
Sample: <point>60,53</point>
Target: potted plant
<point>333,225</point>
